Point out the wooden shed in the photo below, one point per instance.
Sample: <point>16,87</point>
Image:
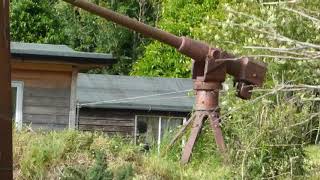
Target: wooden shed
<point>44,79</point>
<point>144,108</point>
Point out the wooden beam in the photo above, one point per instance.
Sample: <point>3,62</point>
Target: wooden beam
<point>5,95</point>
<point>73,99</point>
<point>44,66</point>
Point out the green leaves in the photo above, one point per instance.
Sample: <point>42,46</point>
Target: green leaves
<point>179,17</point>
<point>35,21</point>
<point>56,22</point>
<point>266,32</point>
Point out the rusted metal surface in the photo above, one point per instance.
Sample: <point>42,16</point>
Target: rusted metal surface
<point>247,70</point>
<point>206,100</point>
<point>182,130</point>
<point>215,125</point>
<point>207,108</point>
<point>195,131</point>
<point>210,67</point>
<point>5,95</point>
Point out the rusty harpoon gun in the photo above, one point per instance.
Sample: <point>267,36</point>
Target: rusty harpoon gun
<point>209,70</point>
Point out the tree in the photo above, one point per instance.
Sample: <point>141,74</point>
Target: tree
<point>56,22</point>
<point>277,28</point>
<point>36,21</point>
<point>178,17</point>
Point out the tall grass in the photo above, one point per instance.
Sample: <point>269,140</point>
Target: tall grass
<point>268,139</point>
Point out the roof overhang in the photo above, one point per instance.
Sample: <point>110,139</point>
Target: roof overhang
<point>58,53</point>
<point>144,107</point>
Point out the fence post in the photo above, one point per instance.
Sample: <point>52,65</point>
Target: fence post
<point>5,95</point>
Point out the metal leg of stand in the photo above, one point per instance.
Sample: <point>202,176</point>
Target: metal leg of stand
<point>182,130</point>
<point>195,131</point>
<point>215,124</point>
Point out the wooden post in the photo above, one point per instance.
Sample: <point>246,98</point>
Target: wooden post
<point>73,100</point>
<point>5,95</point>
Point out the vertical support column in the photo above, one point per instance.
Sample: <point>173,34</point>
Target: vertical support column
<point>73,99</point>
<point>159,134</point>
<point>135,129</point>
<point>5,94</point>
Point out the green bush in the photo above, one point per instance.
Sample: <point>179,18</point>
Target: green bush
<point>125,172</point>
<point>99,171</point>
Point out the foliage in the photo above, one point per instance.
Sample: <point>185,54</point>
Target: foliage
<point>313,161</point>
<point>268,33</point>
<point>76,155</point>
<point>124,173</point>
<point>56,22</point>
<point>36,21</point>
<point>178,17</point>
<point>99,171</point>
<point>229,25</point>
<point>266,139</point>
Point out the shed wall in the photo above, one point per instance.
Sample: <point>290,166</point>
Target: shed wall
<point>115,121</point>
<point>46,100</point>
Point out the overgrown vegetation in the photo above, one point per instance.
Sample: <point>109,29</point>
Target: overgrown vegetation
<point>76,155</point>
<point>285,35</point>
<point>274,135</point>
<point>272,139</point>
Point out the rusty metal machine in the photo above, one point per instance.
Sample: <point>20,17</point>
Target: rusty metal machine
<point>210,67</point>
<point>5,97</point>
<point>209,70</point>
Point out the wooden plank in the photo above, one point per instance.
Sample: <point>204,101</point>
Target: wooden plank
<point>108,123</point>
<point>48,127</point>
<point>44,92</point>
<point>46,101</point>
<point>110,133</point>
<point>43,79</point>
<point>115,118</point>
<point>41,119</point>
<point>107,128</point>
<point>105,113</point>
<point>46,110</point>
<point>106,116</point>
<point>17,64</point>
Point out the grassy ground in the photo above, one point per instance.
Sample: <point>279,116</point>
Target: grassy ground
<point>78,155</point>
<point>72,155</point>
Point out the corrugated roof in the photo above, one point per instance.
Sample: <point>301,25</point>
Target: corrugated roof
<point>138,93</point>
<point>58,52</point>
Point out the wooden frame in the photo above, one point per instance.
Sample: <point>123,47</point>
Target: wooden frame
<point>18,117</point>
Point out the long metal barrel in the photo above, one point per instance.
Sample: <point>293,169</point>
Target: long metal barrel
<point>125,21</point>
<point>191,48</point>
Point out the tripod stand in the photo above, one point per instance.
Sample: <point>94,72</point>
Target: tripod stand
<point>207,99</point>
